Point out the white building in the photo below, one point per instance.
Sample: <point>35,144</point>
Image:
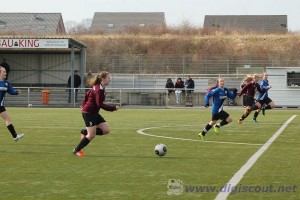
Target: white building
<point>285,82</point>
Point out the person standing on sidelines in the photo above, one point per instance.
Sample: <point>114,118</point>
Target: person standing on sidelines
<point>5,87</point>
<point>91,105</point>
<point>77,83</point>
<point>219,95</point>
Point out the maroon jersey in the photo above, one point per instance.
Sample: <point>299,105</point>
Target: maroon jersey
<point>250,89</point>
<point>93,100</point>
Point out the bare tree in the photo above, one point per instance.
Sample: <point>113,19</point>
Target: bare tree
<point>83,27</point>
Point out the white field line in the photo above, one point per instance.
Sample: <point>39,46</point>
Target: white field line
<point>141,131</point>
<point>242,171</point>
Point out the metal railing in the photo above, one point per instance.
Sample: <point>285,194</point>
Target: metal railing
<point>185,64</point>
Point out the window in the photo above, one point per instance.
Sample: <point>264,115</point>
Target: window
<point>142,25</point>
<point>110,25</point>
<point>25,27</point>
<point>41,27</point>
<point>2,26</point>
<point>293,79</point>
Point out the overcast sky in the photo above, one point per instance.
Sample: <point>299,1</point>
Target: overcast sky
<point>176,11</point>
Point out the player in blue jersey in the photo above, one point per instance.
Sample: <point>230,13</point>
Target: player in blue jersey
<point>263,97</point>
<point>5,87</point>
<point>219,95</point>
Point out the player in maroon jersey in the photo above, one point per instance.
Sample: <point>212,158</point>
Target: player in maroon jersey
<point>91,105</point>
<point>250,89</point>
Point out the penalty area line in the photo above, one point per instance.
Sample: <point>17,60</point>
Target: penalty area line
<point>141,131</point>
<point>242,171</point>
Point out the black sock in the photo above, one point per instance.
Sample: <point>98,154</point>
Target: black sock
<point>243,117</point>
<point>268,107</point>
<point>255,115</point>
<point>83,131</point>
<point>254,107</point>
<point>207,127</point>
<point>223,123</point>
<point>12,130</point>
<point>83,143</point>
<point>98,131</point>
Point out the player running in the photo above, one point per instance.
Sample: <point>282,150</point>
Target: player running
<point>5,87</point>
<point>219,95</point>
<point>263,97</point>
<point>250,89</point>
<point>91,105</point>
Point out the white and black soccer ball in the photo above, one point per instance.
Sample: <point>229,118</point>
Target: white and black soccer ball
<point>160,149</point>
<point>30,105</point>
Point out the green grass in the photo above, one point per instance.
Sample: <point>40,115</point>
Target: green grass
<point>122,165</point>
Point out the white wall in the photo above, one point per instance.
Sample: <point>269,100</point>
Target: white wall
<point>280,93</point>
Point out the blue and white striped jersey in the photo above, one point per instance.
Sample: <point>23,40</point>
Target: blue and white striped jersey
<point>219,95</point>
<point>5,87</point>
<point>264,85</point>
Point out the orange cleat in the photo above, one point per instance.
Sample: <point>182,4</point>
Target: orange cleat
<point>80,154</point>
<point>240,121</point>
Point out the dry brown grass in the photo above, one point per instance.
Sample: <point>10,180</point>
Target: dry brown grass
<point>219,43</point>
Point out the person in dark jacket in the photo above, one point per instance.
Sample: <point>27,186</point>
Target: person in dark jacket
<point>77,83</point>
<point>189,86</point>
<point>170,87</point>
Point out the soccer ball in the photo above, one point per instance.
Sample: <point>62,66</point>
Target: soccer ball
<point>30,105</point>
<point>160,149</point>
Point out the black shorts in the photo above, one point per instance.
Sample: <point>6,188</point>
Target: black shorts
<point>265,101</point>
<point>2,109</point>
<point>92,119</point>
<point>221,115</point>
<point>249,100</point>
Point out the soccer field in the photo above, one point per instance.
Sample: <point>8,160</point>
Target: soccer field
<point>122,164</point>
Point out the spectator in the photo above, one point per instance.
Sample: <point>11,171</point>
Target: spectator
<point>169,86</point>
<point>77,83</point>
<point>5,65</point>
<point>87,80</point>
<point>179,85</point>
<point>189,85</point>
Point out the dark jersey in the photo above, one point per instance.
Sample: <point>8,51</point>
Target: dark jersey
<point>93,100</point>
<point>250,89</point>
